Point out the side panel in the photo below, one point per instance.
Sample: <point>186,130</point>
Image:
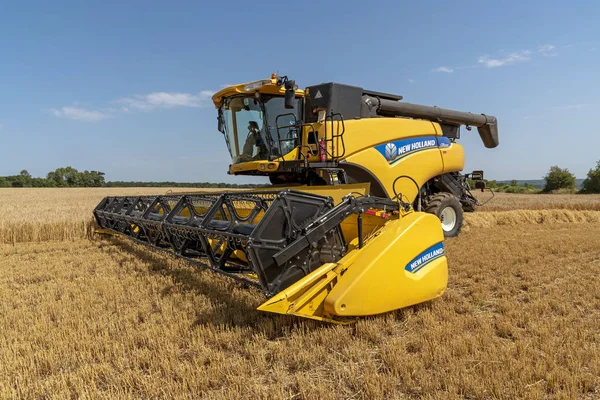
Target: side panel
<point>404,264</point>
<point>361,134</point>
<point>391,147</point>
<point>387,164</point>
<point>364,133</point>
<point>420,166</point>
<point>453,155</point>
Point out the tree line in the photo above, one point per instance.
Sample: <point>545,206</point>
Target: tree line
<point>61,177</point>
<point>70,177</point>
<point>557,180</point>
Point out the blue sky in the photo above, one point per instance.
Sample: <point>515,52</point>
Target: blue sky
<point>124,87</point>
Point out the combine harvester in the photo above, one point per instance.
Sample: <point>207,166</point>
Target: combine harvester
<point>351,226</point>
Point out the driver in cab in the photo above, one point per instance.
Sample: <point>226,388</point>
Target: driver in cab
<point>254,140</point>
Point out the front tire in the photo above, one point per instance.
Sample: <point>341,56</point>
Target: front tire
<point>448,209</point>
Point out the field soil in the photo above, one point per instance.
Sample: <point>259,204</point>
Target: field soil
<point>105,318</point>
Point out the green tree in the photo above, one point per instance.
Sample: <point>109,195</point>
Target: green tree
<point>4,183</point>
<point>91,178</point>
<point>72,176</point>
<point>65,177</point>
<point>559,178</point>
<point>41,182</point>
<point>23,179</point>
<point>514,182</point>
<point>591,184</point>
<point>57,177</point>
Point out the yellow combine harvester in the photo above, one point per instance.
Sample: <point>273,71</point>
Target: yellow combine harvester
<point>351,225</point>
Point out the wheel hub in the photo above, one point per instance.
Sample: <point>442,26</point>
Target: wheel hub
<point>448,218</point>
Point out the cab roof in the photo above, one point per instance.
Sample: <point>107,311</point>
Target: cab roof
<point>266,86</point>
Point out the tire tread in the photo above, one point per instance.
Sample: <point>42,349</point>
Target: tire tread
<point>436,201</point>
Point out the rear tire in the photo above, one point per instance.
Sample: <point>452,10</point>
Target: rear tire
<point>448,209</point>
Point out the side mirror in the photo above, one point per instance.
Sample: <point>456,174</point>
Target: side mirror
<point>290,95</point>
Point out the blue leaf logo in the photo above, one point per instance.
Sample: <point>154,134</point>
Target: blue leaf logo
<point>391,151</point>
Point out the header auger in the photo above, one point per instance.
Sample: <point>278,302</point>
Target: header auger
<point>351,226</point>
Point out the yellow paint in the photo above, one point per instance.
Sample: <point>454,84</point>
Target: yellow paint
<point>304,298</point>
<point>371,280</point>
<point>254,166</point>
<point>420,166</point>
<point>268,88</point>
<point>375,280</point>
<point>453,157</point>
<point>363,134</point>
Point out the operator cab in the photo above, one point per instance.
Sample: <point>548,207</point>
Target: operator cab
<point>259,127</point>
<point>273,128</point>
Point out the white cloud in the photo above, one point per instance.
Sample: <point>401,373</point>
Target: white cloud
<point>80,114</point>
<point>157,100</point>
<point>411,81</point>
<point>548,50</point>
<point>510,59</point>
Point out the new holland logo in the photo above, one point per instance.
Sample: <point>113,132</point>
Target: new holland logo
<point>433,253</point>
<point>318,95</point>
<point>395,151</point>
<point>391,151</point>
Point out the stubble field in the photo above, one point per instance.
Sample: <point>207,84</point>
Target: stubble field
<point>82,316</point>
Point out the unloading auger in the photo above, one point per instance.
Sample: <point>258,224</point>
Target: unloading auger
<point>351,226</point>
